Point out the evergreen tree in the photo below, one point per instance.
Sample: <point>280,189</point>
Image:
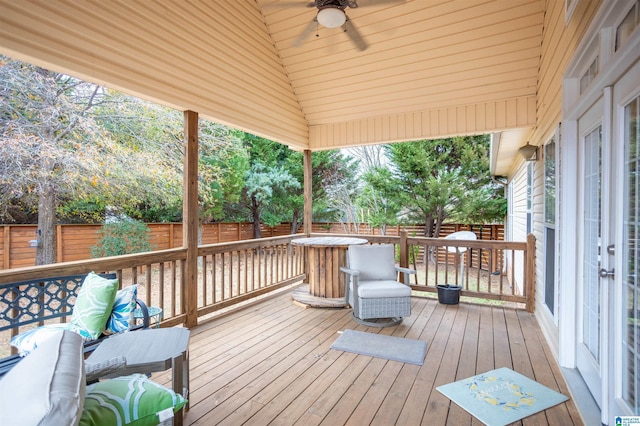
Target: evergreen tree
<point>446,179</point>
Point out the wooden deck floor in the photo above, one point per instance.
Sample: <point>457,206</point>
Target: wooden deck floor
<point>271,364</point>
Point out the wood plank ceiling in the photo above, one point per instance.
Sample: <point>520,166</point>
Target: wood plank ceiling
<point>433,68</point>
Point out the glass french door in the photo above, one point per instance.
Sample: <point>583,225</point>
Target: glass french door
<point>626,346</point>
<point>590,290</point>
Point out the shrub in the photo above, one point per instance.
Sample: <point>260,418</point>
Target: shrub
<point>122,237</point>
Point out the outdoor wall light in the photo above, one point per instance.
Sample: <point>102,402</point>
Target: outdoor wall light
<point>529,152</point>
<point>331,17</point>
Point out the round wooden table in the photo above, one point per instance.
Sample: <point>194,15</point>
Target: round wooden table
<point>325,256</point>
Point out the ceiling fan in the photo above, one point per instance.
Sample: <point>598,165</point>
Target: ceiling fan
<point>331,14</point>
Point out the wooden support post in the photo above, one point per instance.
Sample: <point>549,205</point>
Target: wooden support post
<point>308,208</point>
<point>530,273</point>
<point>308,202</point>
<point>190,218</point>
<point>404,253</point>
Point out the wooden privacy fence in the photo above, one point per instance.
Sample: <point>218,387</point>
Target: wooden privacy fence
<point>74,242</point>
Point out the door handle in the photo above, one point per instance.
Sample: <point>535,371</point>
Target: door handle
<point>606,274</point>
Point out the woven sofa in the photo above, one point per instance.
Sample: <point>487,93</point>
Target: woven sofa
<point>49,388</point>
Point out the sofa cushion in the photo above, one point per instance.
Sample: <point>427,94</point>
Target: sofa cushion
<point>382,289</point>
<point>48,386</point>
<point>29,340</point>
<point>129,400</point>
<point>121,318</point>
<point>94,303</point>
<point>375,262</point>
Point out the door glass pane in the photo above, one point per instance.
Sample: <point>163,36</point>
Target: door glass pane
<point>549,225</point>
<point>550,268</point>
<point>631,251</point>
<point>592,241</point>
<point>550,183</point>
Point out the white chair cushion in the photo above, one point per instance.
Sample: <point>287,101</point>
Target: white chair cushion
<point>382,289</point>
<point>376,262</point>
<point>47,387</point>
<point>29,340</point>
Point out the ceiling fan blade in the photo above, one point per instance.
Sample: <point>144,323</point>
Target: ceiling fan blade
<point>291,4</point>
<point>306,33</point>
<point>355,35</point>
<point>362,3</point>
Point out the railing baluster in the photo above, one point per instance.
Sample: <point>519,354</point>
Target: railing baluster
<point>161,284</point>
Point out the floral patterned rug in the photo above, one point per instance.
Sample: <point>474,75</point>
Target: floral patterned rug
<point>501,396</point>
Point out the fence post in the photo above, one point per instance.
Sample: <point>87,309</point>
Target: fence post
<point>59,243</point>
<point>6,260</point>
<point>530,272</point>
<point>404,252</point>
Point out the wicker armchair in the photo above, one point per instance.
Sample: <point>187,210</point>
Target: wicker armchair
<point>373,291</point>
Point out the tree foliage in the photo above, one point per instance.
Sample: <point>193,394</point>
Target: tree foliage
<point>152,136</point>
<point>446,179</point>
<point>50,148</point>
<point>122,237</point>
<point>378,198</point>
<point>330,169</point>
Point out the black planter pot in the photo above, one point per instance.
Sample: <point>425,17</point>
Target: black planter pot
<point>448,294</point>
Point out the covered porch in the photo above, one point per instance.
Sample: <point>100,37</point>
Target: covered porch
<point>257,357</point>
<point>432,69</point>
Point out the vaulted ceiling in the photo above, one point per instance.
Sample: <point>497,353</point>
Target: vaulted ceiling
<point>432,68</point>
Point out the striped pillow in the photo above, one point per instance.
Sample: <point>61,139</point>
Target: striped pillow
<point>121,318</point>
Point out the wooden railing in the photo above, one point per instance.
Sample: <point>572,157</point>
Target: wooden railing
<point>234,272</point>
<point>494,270</point>
<point>230,273</point>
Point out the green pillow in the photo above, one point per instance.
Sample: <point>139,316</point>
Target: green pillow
<point>129,400</point>
<point>94,303</point>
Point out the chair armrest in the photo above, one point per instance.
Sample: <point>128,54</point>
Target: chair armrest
<point>352,272</point>
<point>145,313</point>
<point>406,270</point>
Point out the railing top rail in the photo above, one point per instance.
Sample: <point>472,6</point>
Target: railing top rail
<point>85,266</point>
<point>206,249</point>
<point>480,244</point>
<point>438,242</point>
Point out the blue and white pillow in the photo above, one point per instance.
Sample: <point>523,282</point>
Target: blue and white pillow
<point>121,318</point>
<point>29,340</point>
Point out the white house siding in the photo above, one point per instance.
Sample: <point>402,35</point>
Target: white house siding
<point>517,227</point>
<point>559,44</point>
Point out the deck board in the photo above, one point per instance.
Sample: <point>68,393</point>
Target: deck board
<point>271,363</point>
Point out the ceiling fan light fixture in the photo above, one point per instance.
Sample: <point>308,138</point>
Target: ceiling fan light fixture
<point>331,17</point>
